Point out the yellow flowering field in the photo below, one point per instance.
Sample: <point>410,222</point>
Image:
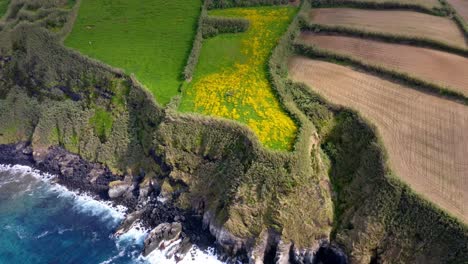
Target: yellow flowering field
<point>231,78</point>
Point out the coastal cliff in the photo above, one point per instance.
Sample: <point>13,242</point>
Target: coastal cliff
<point>332,198</point>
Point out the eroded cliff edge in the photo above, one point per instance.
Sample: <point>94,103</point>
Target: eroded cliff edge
<point>333,188</point>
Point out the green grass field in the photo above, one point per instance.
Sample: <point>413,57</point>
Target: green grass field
<point>231,81</point>
<point>3,7</point>
<point>150,38</point>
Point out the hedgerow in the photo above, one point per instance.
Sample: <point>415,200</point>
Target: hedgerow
<point>196,46</point>
<point>393,38</point>
<point>456,17</point>
<point>408,79</point>
<point>375,214</point>
<point>390,5</point>
<point>219,166</point>
<point>242,3</point>
<point>231,81</point>
<point>213,26</point>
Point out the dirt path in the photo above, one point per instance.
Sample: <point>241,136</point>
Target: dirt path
<point>395,22</point>
<point>425,136</point>
<point>432,65</point>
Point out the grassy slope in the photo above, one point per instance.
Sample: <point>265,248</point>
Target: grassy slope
<point>150,38</point>
<point>3,7</point>
<point>230,80</point>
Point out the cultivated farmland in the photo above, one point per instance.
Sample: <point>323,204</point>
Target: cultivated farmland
<point>461,6</point>
<point>425,136</point>
<point>150,38</point>
<point>231,81</point>
<point>436,66</point>
<point>425,3</point>
<point>404,23</point>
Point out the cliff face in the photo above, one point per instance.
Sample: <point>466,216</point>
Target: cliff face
<point>52,96</point>
<point>272,206</point>
<point>378,219</point>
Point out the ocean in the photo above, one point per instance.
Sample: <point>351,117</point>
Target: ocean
<point>43,222</point>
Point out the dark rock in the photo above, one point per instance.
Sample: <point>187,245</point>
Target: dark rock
<point>78,174</point>
<point>118,188</point>
<point>129,221</point>
<point>162,236</point>
<point>16,154</point>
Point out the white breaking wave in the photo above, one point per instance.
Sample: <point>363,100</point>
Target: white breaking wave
<point>85,203</point>
<point>136,235</point>
<point>82,202</point>
<point>195,255</point>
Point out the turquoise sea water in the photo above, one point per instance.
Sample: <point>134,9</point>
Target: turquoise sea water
<point>42,222</point>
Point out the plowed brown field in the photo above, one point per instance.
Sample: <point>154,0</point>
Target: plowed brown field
<point>462,8</point>
<point>405,23</point>
<point>436,66</point>
<point>426,136</point>
<point>425,3</point>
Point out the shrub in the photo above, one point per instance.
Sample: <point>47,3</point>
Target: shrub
<point>192,60</point>
<point>242,3</point>
<point>102,122</point>
<point>213,26</point>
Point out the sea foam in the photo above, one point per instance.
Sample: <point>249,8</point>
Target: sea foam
<point>82,202</point>
<point>85,203</point>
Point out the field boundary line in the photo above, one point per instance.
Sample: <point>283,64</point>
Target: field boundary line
<point>387,37</point>
<point>68,27</point>
<point>388,5</point>
<point>446,10</point>
<point>407,79</point>
<point>461,23</point>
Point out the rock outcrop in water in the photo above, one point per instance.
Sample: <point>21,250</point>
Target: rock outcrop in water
<point>212,176</point>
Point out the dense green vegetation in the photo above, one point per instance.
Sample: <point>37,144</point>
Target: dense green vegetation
<point>102,122</point>
<point>242,3</point>
<point>218,166</point>
<point>149,38</point>
<point>213,26</point>
<point>3,6</point>
<point>231,80</point>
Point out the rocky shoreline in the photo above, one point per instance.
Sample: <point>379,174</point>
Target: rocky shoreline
<point>169,225</point>
<point>79,175</point>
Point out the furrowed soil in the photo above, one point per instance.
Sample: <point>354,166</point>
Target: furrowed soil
<point>462,8</point>
<point>404,23</point>
<point>425,3</point>
<point>432,65</point>
<point>425,136</point>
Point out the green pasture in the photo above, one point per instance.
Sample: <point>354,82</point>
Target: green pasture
<point>231,78</point>
<point>150,38</point>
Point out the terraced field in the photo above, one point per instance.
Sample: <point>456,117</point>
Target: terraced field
<point>405,23</point>
<point>461,6</point>
<point>425,136</point>
<point>231,81</point>
<point>425,3</point>
<point>436,66</point>
<point>150,38</point>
